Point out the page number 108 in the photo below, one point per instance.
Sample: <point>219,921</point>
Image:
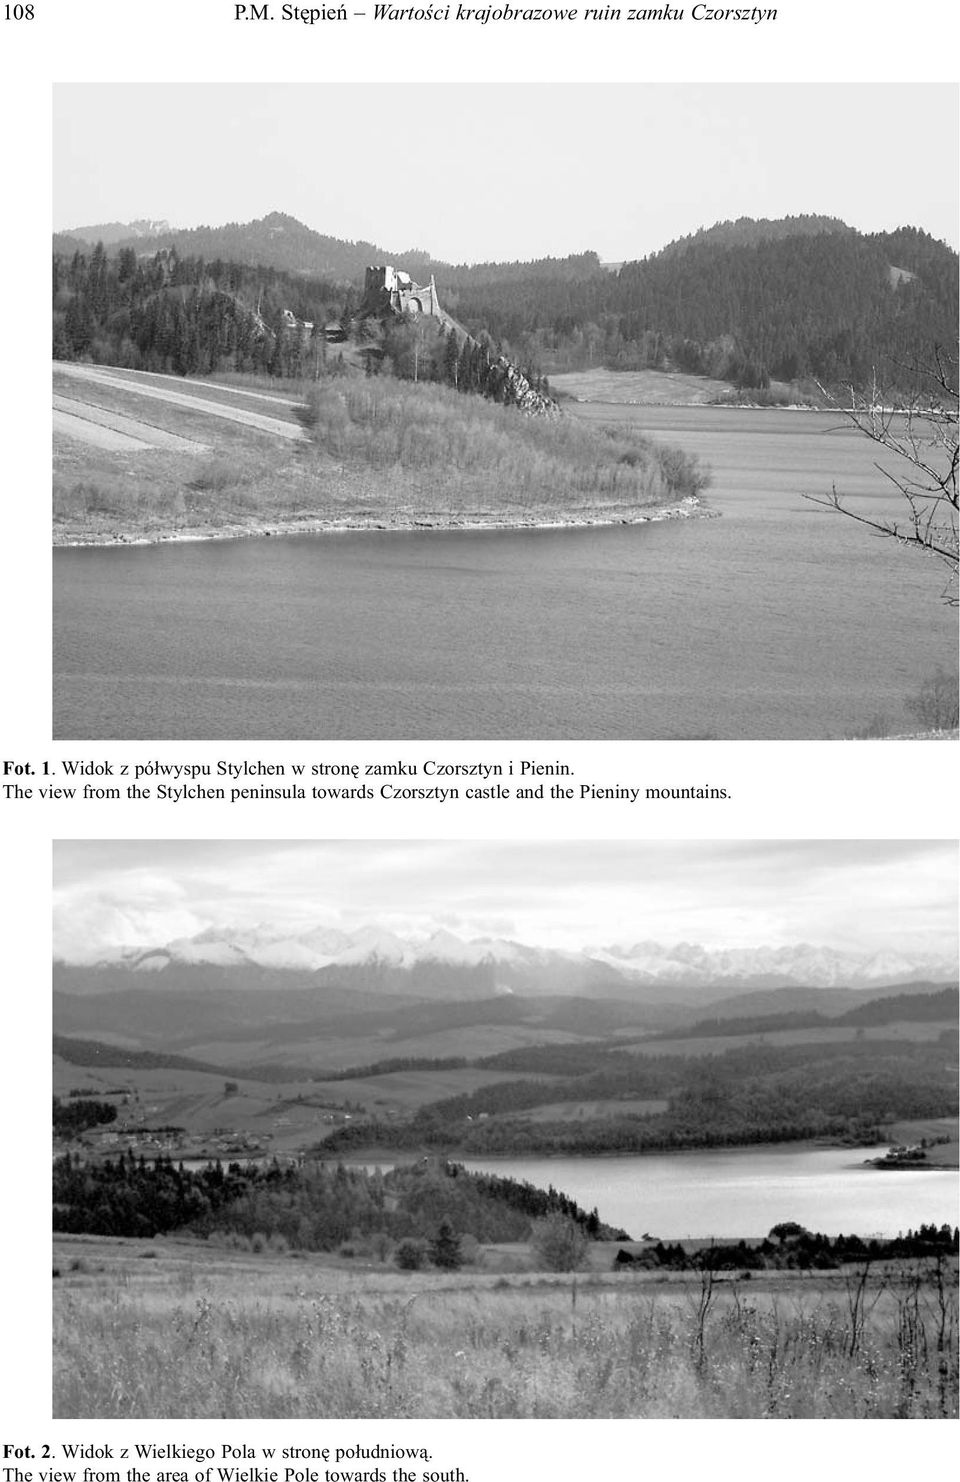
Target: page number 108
<point>18,12</point>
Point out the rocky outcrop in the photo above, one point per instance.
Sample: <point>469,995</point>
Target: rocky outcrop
<point>389,293</point>
<point>508,384</point>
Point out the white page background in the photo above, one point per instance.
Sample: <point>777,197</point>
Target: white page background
<point>787,789</point>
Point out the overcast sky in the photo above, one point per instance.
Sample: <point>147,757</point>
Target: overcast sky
<point>853,896</point>
<point>473,172</point>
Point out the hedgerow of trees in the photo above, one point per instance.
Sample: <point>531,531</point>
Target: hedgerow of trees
<point>846,1090</point>
<point>797,1250</point>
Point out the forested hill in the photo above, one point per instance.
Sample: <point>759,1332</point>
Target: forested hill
<point>834,306</point>
<point>275,241</point>
<point>285,244</point>
<point>186,315</point>
<point>801,299</point>
<point>747,231</point>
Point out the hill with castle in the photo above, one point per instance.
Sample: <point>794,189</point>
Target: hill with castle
<point>747,301</point>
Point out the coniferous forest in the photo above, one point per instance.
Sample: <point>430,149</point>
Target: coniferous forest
<point>801,299</point>
<point>188,317</point>
<point>184,316</point>
<point>313,1207</point>
<point>835,306</point>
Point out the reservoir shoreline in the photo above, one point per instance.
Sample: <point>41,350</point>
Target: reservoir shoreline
<point>481,616</point>
<point>688,508</point>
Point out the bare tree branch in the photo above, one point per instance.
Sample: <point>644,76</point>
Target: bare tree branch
<point>922,437</point>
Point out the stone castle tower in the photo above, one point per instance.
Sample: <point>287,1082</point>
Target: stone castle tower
<point>386,287</point>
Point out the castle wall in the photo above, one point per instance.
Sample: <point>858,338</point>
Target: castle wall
<point>385,287</point>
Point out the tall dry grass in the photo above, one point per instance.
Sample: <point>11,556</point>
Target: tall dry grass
<point>286,1338</point>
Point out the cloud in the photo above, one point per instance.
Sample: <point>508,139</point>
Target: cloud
<point>855,895</point>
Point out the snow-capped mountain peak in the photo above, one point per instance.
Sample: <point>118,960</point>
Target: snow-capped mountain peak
<point>646,964</point>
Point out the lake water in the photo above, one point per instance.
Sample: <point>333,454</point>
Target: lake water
<point>743,1192</point>
<point>776,620</point>
<point>733,1193</point>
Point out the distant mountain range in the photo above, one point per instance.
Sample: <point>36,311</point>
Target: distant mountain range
<point>448,966</point>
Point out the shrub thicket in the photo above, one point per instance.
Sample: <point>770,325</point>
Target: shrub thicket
<point>432,432</point>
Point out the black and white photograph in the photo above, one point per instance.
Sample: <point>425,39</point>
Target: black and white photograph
<point>488,410</point>
<point>502,1129</point>
<point>445,411</point>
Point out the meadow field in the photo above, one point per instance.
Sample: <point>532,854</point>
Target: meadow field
<point>639,388</point>
<point>175,1328</point>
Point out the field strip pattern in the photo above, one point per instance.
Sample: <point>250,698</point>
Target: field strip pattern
<point>138,378</point>
<point>256,420</point>
<point>69,425</point>
<point>140,433</point>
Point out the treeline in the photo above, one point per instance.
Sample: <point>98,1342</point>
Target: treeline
<point>747,231</point>
<point>88,1052</point>
<point>286,244</point>
<point>314,1207</point>
<point>95,1052</point>
<point>801,299</point>
<point>875,1076</point>
<point>590,1137</point>
<point>188,316</point>
<point>799,1251</point>
<point>78,1113</point>
<point>192,317</point>
<point>422,349</point>
<point>752,1094</point>
<point>558,1060</point>
<point>621,1075</point>
<point>277,239</point>
<point>395,1064</point>
<point>824,306</point>
<point>926,1008</point>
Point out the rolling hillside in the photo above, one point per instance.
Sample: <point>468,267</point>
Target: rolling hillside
<point>799,299</point>
<point>266,1069</point>
<point>275,241</point>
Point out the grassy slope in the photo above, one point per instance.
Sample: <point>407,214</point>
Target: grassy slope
<point>663,389</point>
<point>383,454</point>
<point>941,1154</point>
<point>173,1329</point>
<point>639,388</point>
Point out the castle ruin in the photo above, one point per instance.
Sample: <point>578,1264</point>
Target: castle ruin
<point>387,288</point>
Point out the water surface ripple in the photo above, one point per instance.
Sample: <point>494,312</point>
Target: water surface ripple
<point>776,620</point>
